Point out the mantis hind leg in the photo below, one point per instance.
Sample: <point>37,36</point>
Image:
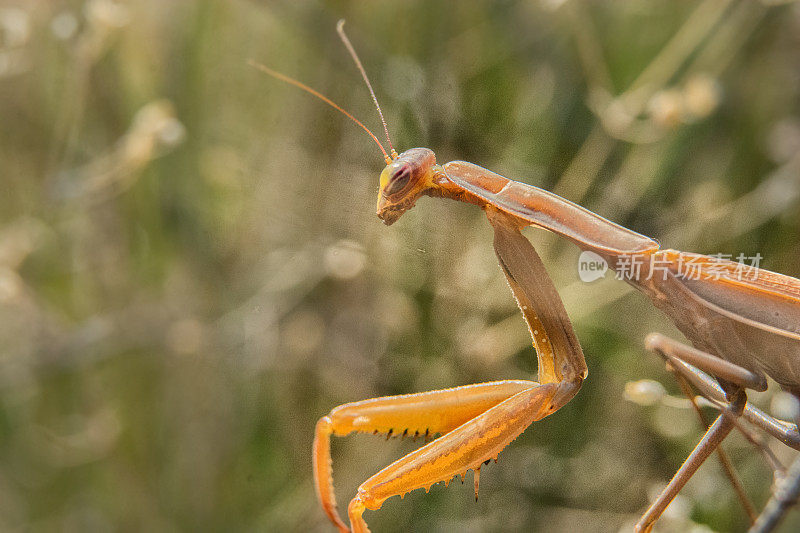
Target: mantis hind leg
<point>785,493</point>
<point>784,497</point>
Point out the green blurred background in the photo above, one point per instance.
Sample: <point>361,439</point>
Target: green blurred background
<point>192,273</point>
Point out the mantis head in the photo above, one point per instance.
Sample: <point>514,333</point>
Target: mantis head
<point>407,176</point>
<point>404,180</point>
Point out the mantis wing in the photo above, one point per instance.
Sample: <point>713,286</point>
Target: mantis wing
<point>769,299</point>
<point>748,316</point>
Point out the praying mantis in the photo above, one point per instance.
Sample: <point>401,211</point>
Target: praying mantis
<point>743,324</point>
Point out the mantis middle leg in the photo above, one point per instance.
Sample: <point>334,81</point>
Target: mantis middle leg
<point>681,358</point>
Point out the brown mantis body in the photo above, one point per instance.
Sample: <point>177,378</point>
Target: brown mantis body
<point>744,325</point>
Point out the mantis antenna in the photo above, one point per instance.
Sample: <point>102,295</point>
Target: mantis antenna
<point>291,81</point>
<point>346,41</point>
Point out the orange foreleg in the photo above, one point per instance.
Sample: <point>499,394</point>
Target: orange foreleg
<point>477,422</point>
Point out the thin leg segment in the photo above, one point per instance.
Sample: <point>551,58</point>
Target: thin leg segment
<point>727,465</point>
<point>785,496</point>
<point>422,414</point>
<point>720,429</point>
<point>712,364</point>
<point>708,387</point>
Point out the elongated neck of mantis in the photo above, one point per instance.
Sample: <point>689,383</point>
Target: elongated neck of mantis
<point>527,205</point>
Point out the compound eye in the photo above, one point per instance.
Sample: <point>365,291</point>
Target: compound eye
<point>398,180</point>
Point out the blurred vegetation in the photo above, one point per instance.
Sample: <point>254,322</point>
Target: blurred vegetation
<point>191,271</point>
